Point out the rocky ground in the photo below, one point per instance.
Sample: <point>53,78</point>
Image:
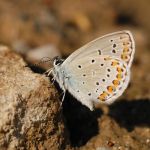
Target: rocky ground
<point>30,112</point>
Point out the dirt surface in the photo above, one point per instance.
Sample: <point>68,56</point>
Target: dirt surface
<point>69,24</point>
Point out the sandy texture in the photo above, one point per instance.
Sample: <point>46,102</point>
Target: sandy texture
<point>30,117</point>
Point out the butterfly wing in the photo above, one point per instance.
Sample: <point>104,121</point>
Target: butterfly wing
<point>119,45</point>
<point>99,79</point>
<point>100,70</point>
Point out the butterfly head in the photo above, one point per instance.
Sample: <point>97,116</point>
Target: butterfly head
<point>57,61</point>
<point>57,71</point>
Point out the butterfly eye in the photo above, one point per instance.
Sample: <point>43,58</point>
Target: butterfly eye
<point>58,61</point>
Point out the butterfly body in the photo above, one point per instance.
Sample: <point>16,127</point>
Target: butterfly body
<point>98,72</point>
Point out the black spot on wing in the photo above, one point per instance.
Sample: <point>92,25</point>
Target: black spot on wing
<point>99,52</point>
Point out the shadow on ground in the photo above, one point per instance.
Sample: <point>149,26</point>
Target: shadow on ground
<point>35,68</point>
<point>130,114</point>
<point>81,122</point>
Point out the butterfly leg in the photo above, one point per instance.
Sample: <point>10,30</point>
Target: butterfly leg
<point>53,80</point>
<point>49,72</point>
<point>64,93</point>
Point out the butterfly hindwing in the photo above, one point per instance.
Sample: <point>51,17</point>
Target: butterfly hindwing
<point>99,79</point>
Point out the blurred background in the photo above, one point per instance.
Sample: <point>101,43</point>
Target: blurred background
<point>42,28</point>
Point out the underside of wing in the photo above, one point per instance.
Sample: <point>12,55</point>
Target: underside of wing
<point>119,45</point>
<point>99,79</point>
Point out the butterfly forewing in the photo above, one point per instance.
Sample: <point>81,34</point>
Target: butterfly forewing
<point>119,45</point>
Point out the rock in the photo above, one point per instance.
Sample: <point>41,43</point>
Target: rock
<point>44,54</point>
<point>20,46</point>
<point>30,114</point>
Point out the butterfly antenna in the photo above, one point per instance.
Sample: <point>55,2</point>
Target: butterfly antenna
<point>43,60</point>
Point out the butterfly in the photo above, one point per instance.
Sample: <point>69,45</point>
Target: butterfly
<point>98,72</point>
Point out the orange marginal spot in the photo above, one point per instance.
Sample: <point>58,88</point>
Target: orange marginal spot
<point>107,58</point>
<point>116,82</point>
<point>119,69</point>
<point>126,49</point>
<point>114,63</point>
<point>105,93</point>
<point>110,89</point>
<point>124,57</point>
<point>125,43</point>
<point>119,76</point>
<point>102,97</point>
